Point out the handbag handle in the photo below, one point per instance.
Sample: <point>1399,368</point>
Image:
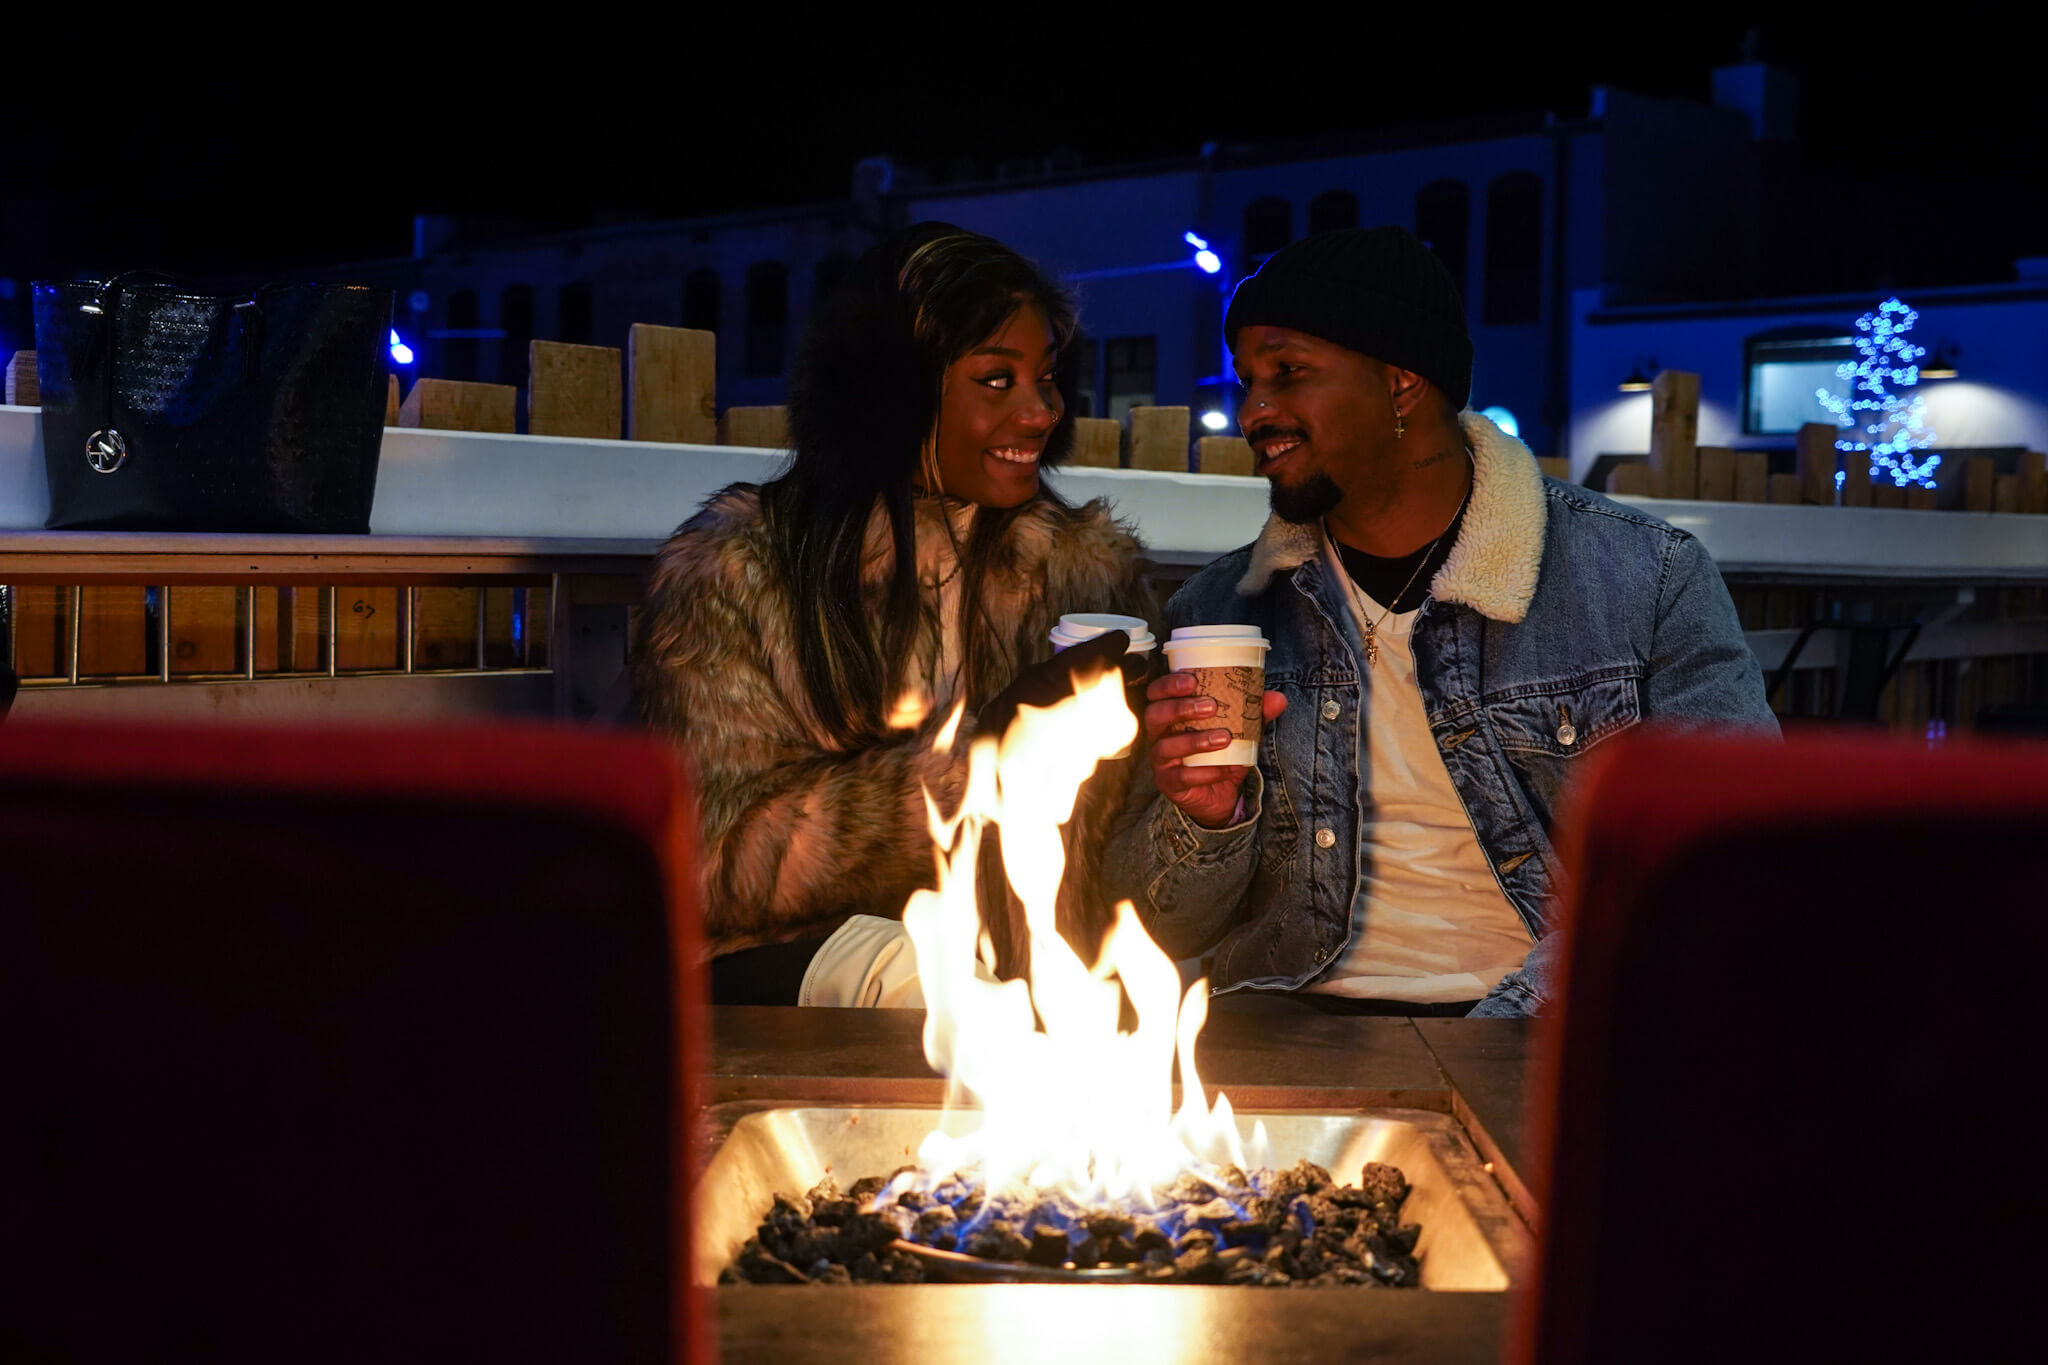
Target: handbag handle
<point>97,307</point>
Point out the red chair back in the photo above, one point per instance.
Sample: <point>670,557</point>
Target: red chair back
<point>1800,1021</point>
<point>345,1045</point>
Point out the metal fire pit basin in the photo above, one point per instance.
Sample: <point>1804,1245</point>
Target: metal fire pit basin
<point>1471,1239</point>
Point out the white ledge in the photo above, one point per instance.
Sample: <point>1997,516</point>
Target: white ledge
<point>479,484</point>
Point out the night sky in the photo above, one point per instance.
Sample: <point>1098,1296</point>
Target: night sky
<point>149,145</point>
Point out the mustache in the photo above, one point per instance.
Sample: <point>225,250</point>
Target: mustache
<point>1273,431</point>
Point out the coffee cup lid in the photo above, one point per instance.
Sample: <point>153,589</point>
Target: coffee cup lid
<point>1076,627</point>
<point>1224,634</point>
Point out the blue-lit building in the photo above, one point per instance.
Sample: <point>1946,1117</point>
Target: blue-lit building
<point>1560,232</point>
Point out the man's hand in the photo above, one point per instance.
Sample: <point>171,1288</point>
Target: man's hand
<point>1208,795</point>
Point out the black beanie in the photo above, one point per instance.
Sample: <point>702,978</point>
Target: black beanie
<point>1377,291</point>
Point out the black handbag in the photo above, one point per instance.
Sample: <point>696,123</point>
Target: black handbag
<point>174,411</point>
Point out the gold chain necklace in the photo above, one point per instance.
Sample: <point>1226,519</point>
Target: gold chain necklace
<point>1372,644</point>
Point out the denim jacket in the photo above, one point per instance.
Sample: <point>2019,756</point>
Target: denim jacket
<point>1559,620</point>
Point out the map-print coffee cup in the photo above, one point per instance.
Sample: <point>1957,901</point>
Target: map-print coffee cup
<point>1229,667</point>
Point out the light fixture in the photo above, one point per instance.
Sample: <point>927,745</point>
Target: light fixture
<point>1208,260</point>
<point>401,354</point>
<point>1214,420</point>
<point>1635,383</point>
<point>1943,365</point>
<point>1503,419</point>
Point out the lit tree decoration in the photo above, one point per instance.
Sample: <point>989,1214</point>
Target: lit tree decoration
<point>1885,425</point>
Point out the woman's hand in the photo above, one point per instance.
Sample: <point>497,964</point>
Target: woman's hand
<point>1207,795</point>
<point>1054,680</point>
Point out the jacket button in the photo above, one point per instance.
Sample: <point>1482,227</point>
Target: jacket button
<point>1325,837</point>
<point>1330,710</point>
<point>1567,734</point>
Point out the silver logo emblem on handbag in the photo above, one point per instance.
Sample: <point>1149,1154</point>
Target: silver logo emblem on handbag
<point>105,451</point>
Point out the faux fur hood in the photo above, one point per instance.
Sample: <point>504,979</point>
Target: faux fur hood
<point>1493,567</point>
<point>798,831</point>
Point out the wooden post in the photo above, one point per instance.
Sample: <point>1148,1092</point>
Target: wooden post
<point>1717,474</point>
<point>1555,466</point>
<point>1752,476</point>
<point>1632,480</point>
<point>1224,455</point>
<point>454,405</point>
<point>1159,439</point>
<point>1920,498</point>
<point>1855,480</point>
<point>1887,494</point>
<point>206,630</point>
<point>573,390</point>
<point>673,378</point>
<point>1817,460</point>
<point>22,388</point>
<point>2034,482</point>
<point>761,428</point>
<point>1979,483</point>
<point>1786,488</point>
<point>113,630</point>
<point>391,400</point>
<point>2005,493</point>
<point>1098,443</point>
<point>1674,434</point>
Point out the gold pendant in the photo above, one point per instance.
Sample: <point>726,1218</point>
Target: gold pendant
<point>1372,648</point>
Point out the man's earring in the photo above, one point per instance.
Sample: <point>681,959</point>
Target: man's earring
<point>1400,427</point>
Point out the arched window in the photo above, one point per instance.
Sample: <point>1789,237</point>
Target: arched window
<point>515,316</point>
<point>1331,211</point>
<point>826,277</point>
<point>1442,210</point>
<point>573,313</point>
<point>461,355</point>
<point>701,289</point>
<point>767,318</point>
<point>1514,249</point>
<point>1268,226</point>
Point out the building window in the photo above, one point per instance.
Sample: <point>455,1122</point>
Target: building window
<point>1329,212</point>
<point>1268,226</point>
<point>573,313</point>
<point>1782,372</point>
<point>1082,360</point>
<point>1514,249</point>
<point>461,355</point>
<point>515,316</point>
<point>825,277</point>
<point>767,318</point>
<point>700,300</point>
<point>1132,379</point>
<point>1442,211</point>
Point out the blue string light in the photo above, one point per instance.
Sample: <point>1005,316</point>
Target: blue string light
<point>1885,426</point>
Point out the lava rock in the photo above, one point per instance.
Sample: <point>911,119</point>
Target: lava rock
<point>1200,1266</point>
<point>1149,1238</point>
<point>762,1267</point>
<point>1084,1251</point>
<point>998,1242</point>
<point>900,1267</point>
<point>1107,1227</point>
<point>1120,1250</point>
<point>1048,1246</point>
<point>866,1268</point>
<point>867,1187</point>
<point>1385,1184</point>
<point>1194,1238</point>
<point>1245,1233</point>
<point>934,1221</point>
<point>1191,1189</point>
<point>1401,1240</point>
<point>1217,1212</point>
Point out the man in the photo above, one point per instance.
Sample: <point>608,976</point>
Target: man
<point>1451,632</point>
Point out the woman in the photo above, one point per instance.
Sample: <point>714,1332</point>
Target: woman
<point>806,640</point>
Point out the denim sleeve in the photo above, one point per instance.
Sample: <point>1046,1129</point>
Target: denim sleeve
<point>1702,669</point>
<point>1188,883</point>
<point>1525,991</point>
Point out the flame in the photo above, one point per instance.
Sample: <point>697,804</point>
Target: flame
<point>1069,1101</point>
<point>909,711</point>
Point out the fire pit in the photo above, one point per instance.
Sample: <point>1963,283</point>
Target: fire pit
<point>1470,1239</point>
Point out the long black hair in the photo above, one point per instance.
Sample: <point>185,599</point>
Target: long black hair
<point>864,400</point>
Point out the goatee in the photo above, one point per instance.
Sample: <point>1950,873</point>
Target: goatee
<point>1306,501</point>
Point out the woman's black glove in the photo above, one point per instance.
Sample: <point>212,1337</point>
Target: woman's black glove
<point>1056,679</point>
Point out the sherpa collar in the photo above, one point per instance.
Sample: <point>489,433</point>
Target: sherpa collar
<point>1493,567</point>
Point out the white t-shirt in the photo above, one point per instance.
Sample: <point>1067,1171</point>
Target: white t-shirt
<point>1437,926</point>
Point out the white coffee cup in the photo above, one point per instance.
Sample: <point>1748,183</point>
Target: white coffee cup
<point>1198,649</point>
<point>1080,626</point>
